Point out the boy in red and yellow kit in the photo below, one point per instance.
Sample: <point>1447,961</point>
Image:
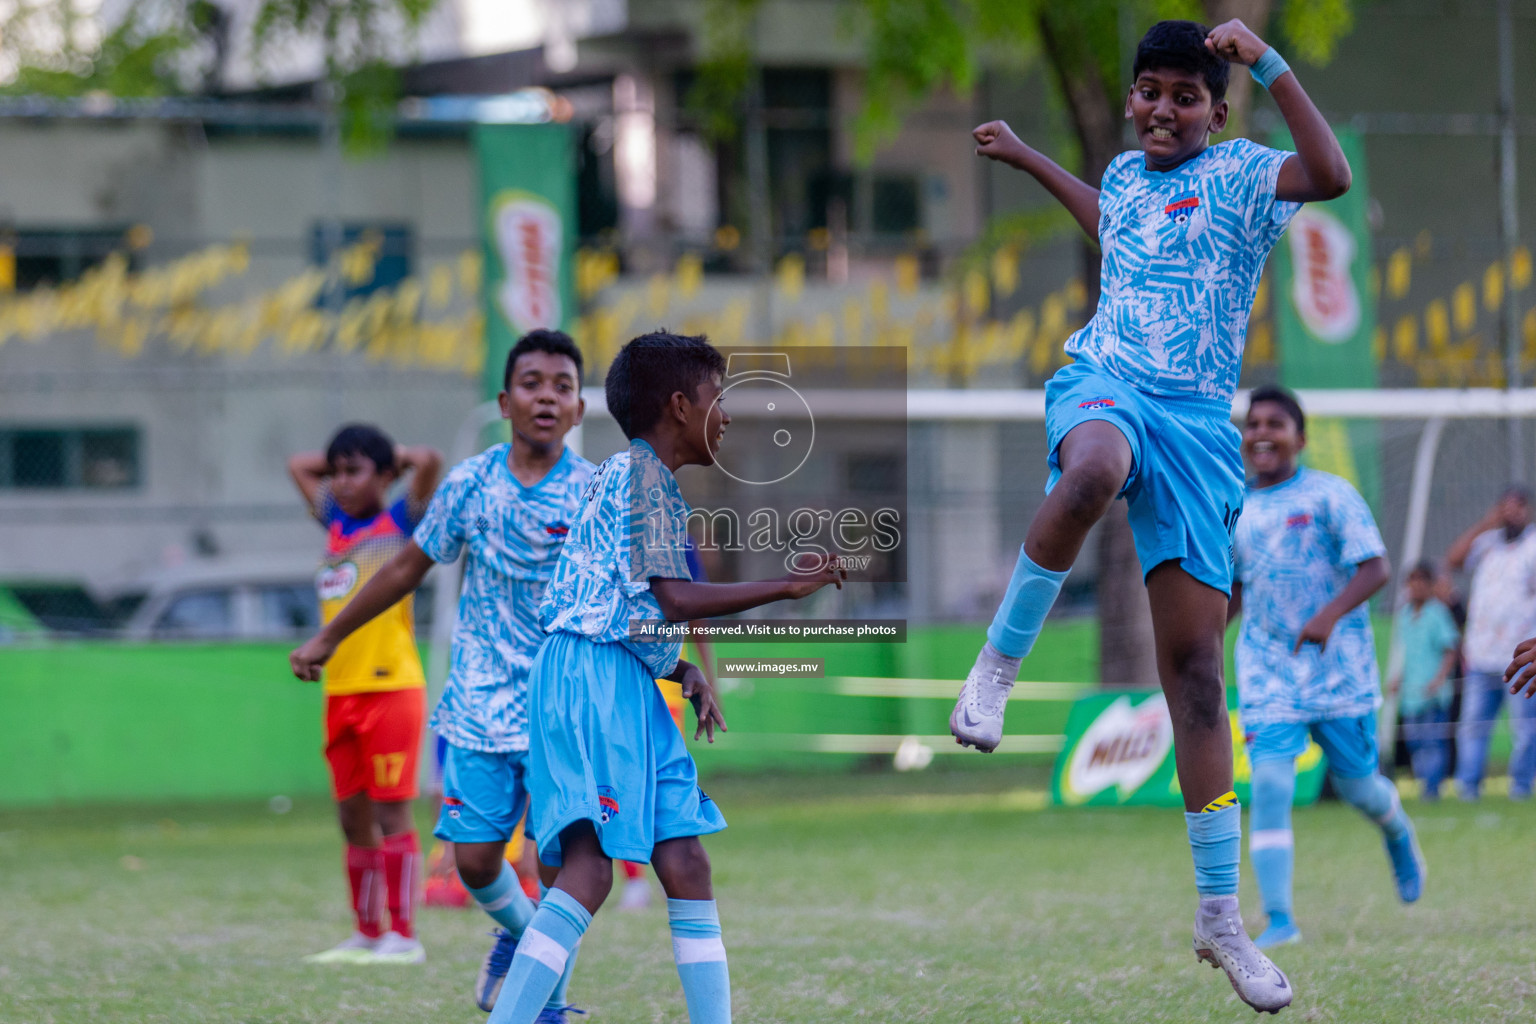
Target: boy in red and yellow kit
<point>375,692</point>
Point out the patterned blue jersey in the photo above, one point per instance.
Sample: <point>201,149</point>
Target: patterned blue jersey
<point>1183,251</point>
<point>1296,545</point>
<point>513,535</point>
<point>632,526</point>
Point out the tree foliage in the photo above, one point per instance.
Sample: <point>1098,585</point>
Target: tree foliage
<point>152,48</point>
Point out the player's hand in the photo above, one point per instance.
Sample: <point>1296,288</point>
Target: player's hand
<point>1317,631</point>
<point>706,703</point>
<point>996,140</point>
<point>310,657</point>
<point>1236,42</point>
<point>1519,675</point>
<point>814,572</point>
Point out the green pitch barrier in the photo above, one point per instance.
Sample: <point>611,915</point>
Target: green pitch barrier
<point>103,722</point>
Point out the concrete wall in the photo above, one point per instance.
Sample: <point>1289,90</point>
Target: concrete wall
<point>215,430</point>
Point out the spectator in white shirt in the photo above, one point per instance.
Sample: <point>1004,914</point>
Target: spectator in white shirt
<point>1500,553</point>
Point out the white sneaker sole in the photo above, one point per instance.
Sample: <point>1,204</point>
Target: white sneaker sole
<point>341,956</point>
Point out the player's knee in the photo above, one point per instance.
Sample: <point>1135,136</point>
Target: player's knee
<point>1371,795</point>
<point>588,878</point>
<point>600,876</point>
<point>393,817</point>
<point>1273,784</point>
<point>681,867</point>
<point>356,820</point>
<point>1202,694</point>
<point>478,868</point>
<point>1091,485</point>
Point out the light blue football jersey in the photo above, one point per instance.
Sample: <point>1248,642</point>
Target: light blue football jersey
<point>513,535</point>
<point>632,526</point>
<point>1183,251</point>
<point>1296,545</point>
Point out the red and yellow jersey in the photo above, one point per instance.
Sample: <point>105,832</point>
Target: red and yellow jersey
<point>381,655</point>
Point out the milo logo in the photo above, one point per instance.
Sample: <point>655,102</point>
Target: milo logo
<point>1324,291</point>
<point>335,582</point>
<point>528,236</point>
<point>1124,746</point>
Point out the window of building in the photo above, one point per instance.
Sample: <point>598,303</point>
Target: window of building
<point>895,204</point>
<point>68,458</point>
<point>393,246</point>
<point>197,615</point>
<point>285,610</point>
<point>45,256</point>
<point>876,473</point>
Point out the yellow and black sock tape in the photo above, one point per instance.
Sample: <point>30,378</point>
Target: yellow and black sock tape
<point>1227,799</point>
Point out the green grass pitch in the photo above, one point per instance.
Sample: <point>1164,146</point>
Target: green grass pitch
<point>950,895</point>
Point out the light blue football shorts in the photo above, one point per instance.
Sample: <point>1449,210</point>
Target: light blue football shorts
<point>603,748</point>
<point>484,795</point>
<point>1185,490</point>
<point>1348,743</point>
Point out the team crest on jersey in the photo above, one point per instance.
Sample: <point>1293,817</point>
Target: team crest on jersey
<point>336,581</point>
<point>1097,403</point>
<point>1298,520</point>
<point>557,529</point>
<point>453,805</point>
<point>607,803</point>
<point>1179,210</point>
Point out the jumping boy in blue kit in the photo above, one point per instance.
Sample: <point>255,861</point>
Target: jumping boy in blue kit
<point>1144,413</point>
<point>510,507</point>
<point>609,774</point>
<point>1308,557</point>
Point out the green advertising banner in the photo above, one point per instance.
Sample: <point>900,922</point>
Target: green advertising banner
<point>528,223</point>
<point>1119,751</point>
<point>1325,318</point>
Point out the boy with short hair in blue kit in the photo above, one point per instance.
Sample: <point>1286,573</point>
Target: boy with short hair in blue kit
<point>510,508</point>
<point>609,773</point>
<point>1308,557</point>
<point>1426,647</point>
<point>1144,413</point>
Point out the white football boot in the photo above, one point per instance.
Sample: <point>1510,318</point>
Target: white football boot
<point>1221,942</point>
<point>394,948</point>
<point>355,949</point>
<point>977,720</point>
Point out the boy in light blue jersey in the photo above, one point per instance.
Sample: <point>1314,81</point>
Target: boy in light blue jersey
<point>1144,413</point>
<point>1308,558</point>
<point>510,508</point>
<point>1426,647</point>
<point>610,775</point>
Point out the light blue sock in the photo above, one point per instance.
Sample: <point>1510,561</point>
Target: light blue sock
<point>700,959</point>
<point>542,954</point>
<point>1271,843</point>
<point>505,901</point>
<point>1028,600</point>
<point>1377,799</point>
<point>1216,840</point>
<point>559,998</point>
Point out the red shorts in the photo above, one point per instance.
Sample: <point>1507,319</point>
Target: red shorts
<point>373,742</point>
